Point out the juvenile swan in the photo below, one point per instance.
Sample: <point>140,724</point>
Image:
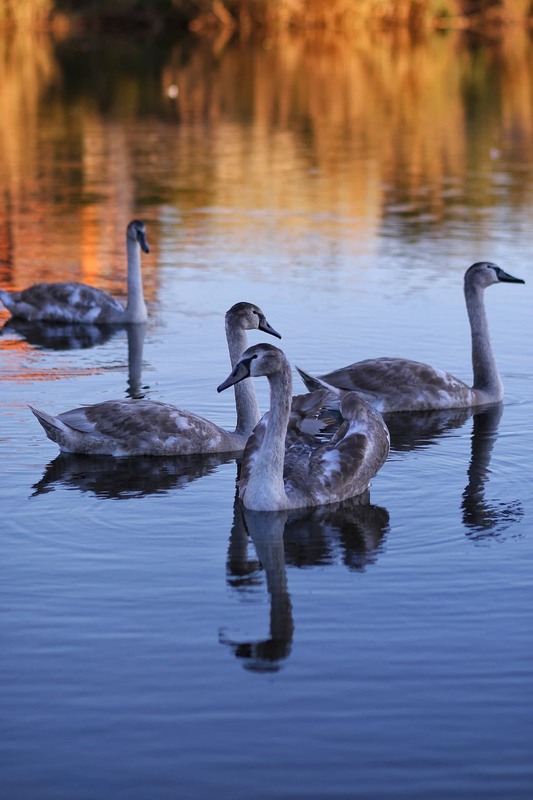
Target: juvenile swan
<point>283,469</point>
<point>147,427</point>
<point>397,384</point>
<point>72,302</point>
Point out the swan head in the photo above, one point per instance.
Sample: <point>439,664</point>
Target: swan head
<point>250,317</point>
<point>137,232</point>
<point>260,359</point>
<point>485,273</point>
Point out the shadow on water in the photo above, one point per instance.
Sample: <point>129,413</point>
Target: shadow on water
<point>62,337</point>
<point>416,430</point>
<point>302,538</point>
<point>136,336</point>
<point>353,531</point>
<point>125,478</point>
<point>482,518</point>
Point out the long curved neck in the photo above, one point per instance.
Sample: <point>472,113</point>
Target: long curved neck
<point>136,307</point>
<point>486,376</point>
<point>245,399</point>
<point>265,483</point>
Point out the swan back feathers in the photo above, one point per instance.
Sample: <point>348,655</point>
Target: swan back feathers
<point>72,302</point>
<point>285,467</point>
<point>133,427</point>
<point>399,384</point>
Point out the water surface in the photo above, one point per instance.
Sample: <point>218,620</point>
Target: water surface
<point>159,641</point>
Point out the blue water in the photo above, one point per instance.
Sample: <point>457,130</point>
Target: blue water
<point>159,642</point>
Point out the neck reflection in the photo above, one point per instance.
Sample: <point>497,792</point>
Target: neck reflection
<point>352,531</point>
<point>482,517</point>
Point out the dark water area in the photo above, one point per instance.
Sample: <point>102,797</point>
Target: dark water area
<point>158,640</point>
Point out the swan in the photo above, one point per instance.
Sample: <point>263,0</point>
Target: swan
<point>284,469</point>
<point>72,302</point>
<point>139,427</point>
<point>397,384</point>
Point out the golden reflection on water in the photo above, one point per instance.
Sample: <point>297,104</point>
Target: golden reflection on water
<point>298,127</point>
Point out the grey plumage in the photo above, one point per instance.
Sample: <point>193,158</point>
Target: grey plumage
<point>398,384</point>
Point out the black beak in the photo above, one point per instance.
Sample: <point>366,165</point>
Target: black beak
<point>141,238</point>
<point>506,278</point>
<point>267,328</point>
<point>239,373</point>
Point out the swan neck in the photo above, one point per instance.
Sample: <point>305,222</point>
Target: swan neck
<point>485,371</point>
<point>266,485</point>
<point>245,398</point>
<point>136,307</point>
<point>280,408</point>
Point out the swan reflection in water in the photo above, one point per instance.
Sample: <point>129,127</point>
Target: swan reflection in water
<point>60,336</point>
<point>482,518</point>
<point>416,430</point>
<point>355,529</point>
<point>121,478</point>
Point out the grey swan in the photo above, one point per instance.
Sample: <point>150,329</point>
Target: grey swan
<point>140,427</point>
<point>282,466</point>
<point>398,384</point>
<point>73,302</point>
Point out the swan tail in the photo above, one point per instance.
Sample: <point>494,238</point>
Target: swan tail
<point>314,384</point>
<point>56,430</point>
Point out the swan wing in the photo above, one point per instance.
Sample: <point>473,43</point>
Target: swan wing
<point>309,418</point>
<point>344,466</point>
<point>64,302</point>
<point>398,384</point>
<point>312,413</point>
<point>134,427</point>
<point>315,472</point>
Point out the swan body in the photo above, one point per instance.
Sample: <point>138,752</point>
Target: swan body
<point>282,466</point>
<point>72,302</point>
<point>135,427</point>
<point>397,384</point>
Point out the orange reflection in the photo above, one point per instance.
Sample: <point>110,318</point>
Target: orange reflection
<point>21,363</point>
<point>355,127</point>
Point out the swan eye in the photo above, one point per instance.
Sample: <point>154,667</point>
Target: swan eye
<point>247,361</point>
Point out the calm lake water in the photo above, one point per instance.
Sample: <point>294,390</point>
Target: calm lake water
<point>157,642</point>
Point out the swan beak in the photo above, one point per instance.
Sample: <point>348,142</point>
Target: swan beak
<point>267,328</point>
<point>506,278</point>
<point>239,373</point>
<point>141,238</point>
